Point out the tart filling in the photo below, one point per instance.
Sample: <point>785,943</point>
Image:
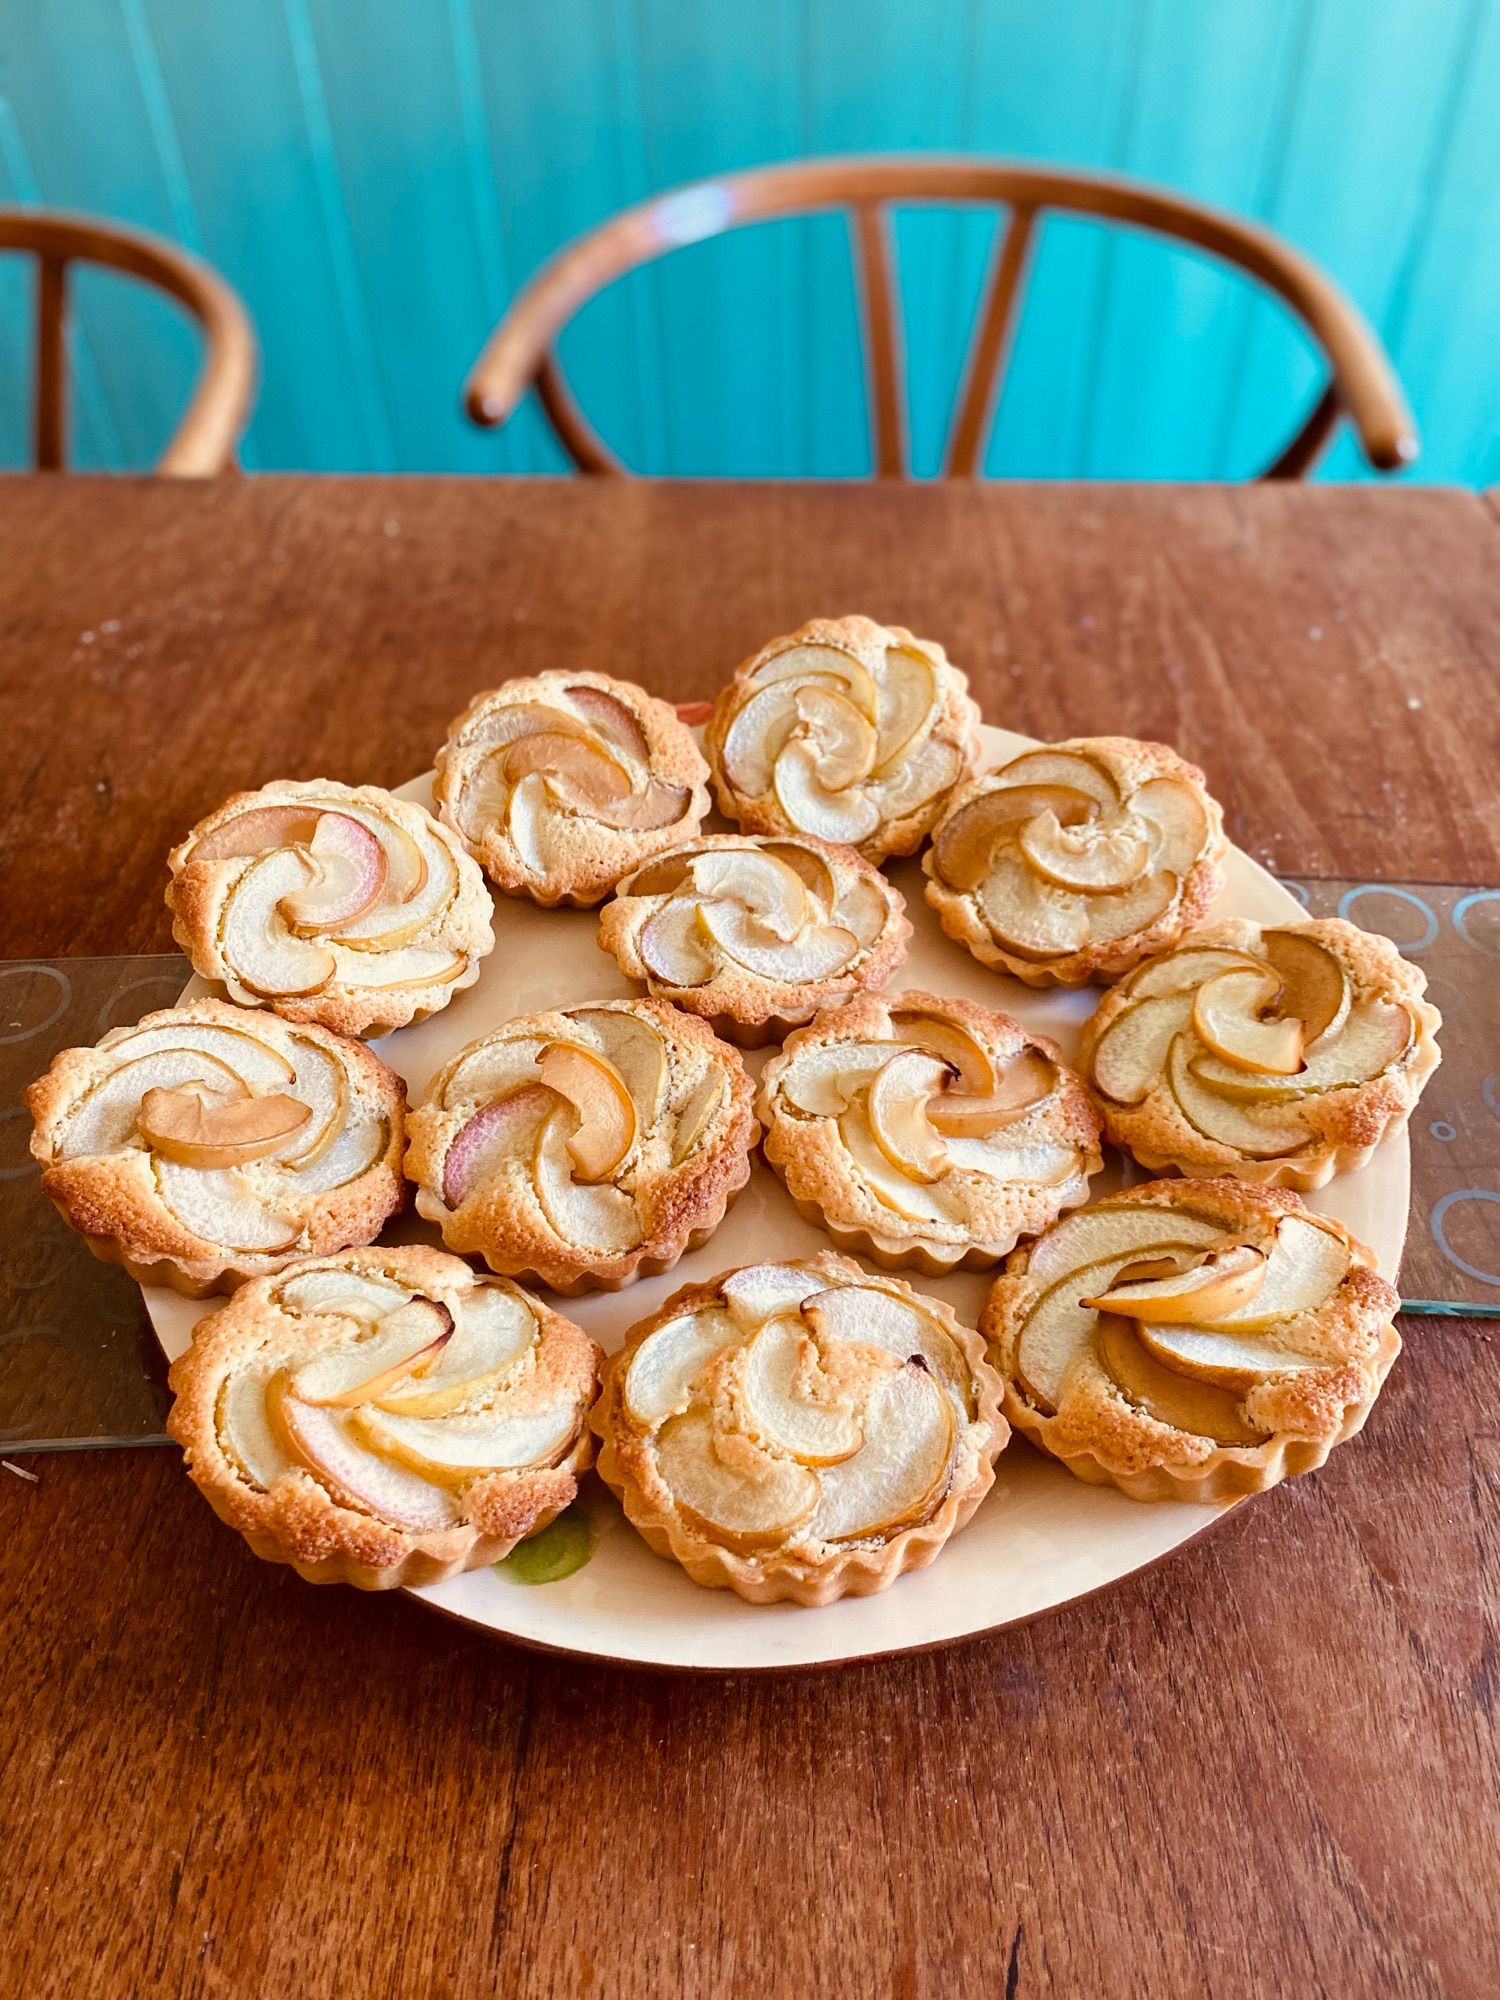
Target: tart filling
<point>385,1416</point>
<point>210,1143</point>
<point>799,1430</point>
<point>330,903</point>
<point>588,1147</point>
<point>1284,1054</point>
<point>927,1130</point>
<point>847,730</point>
<point>562,783</point>
<point>1191,1341</point>
<point>756,932</point>
<point>1073,862</point>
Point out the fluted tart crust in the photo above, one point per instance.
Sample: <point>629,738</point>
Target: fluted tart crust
<point>844,729</point>
<point>755,934</point>
<point>927,1131</point>
<point>385,1417</point>
<point>1074,861</point>
<point>338,904</point>
<point>1280,1053</point>
<point>561,783</point>
<point>585,1147</point>
<point>210,1144</point>
<point>799,1430</point>
<point>1191,1340</point>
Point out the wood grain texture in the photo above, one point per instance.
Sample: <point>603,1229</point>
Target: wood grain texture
<point>1266,1768</point>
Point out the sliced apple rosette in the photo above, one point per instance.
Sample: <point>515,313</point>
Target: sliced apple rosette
<point>755,934</point>
<point>1073,862</point>
<point>927,1132</point>
<point>385,1417</point>
<point>210,1144</point>
<point>1282,1054</point>
<point>847,730</point>
<point>799,1430</point>
<point>1191,1340</point>
<point>330,903</point>
<point>587,1147</point>
<point>562,783</point>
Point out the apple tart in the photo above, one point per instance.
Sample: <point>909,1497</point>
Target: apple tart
<point>1074,862</point>
<point>927,1132</point>
<point>385,1417</point>
<point>330,903</point>
<point>210,1144</point>
<point>1191,1340</point>
<point>799,1430</point>
<point>562,783</point>
<point>586,1147</point>
<point>1283,1055</point>
<point>850,731</point>
<point>756,934</point>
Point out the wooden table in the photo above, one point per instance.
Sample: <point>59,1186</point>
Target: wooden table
<point>1268,1767</point>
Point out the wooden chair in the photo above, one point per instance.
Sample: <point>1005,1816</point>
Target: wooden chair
<point>521,353</point>
<point>205,440</point>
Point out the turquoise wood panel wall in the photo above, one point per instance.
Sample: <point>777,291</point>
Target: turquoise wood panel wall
<point>378,176</point>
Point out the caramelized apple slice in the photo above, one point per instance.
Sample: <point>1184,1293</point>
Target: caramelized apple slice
<point>661,876</point>
<point>398,918</point>
<point>915,780</point>
<point>1068,768</point>
<point>606,1112</point>
<point>105,1119</point>
<point>1131,1056</point>
<point>253,832</point>
<point>574,763</point>
<point>863,909</point>
<point>1057,1331</point>
<point>509,721</point>
<point>351,872</point>
<point>260,952</point>
<point>1308,1263</point>
<point>499,1131</point>
<point>906,706</point>
<point>896,1106</point>
<point>1229,1360</point>
<point>1259,1132</point>
<point>646,811</point>
<point>849,816</point>
<point>661,1373</point>
<point>410,1337</point>
<point>807,864</point>
<point>607,713</point>
<point>1227,1019</point>
<point>900,1473</point>
<point>964,846</point>
<point>748,1500</point>
<point>945,1038</point>
<point>484,798</point>
<point>1121,911</point>
<point>352,1153</point>
<point>635,1050</point>
<point>1207,1290</point>
<point>601,1217</point>
<point>1030,1080</point>
<point>1089,857</point>
<point>1315,988</point>
<point>1182,1402</point>
<point>211,1130</point>
<point>495,1332</point>
<point>454,1451</point>
<point>1177,821</point>
<point>1374,1036</point>
<point>321,1441</point>
<point>789,1401</point>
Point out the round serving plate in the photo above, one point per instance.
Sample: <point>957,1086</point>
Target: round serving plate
<point>1040,1540</point>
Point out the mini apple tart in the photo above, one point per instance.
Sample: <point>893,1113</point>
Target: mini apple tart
<point>564,782</point>
<point>385,1417</point>
<point>927,1132</point>
<point>1074,862</point>
<point>209,1144</point>
<point>331,903</point>
<point>1191,1340</point>
<point>799,1430</point>
<point>585,1148</point>
<point>755,934</point>
<point>1282,1055</point>
<point>848,730</point>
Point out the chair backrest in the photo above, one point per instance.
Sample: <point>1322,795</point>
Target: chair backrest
<point>1361,381</point>
<point>205,440</point>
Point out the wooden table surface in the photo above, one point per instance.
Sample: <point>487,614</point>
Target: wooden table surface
<point>1267,1767</point>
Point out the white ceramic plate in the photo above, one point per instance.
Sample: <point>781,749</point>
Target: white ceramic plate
<point>1040,1540</point>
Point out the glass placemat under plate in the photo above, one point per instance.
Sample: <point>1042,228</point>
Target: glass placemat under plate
<point>80,1365</point>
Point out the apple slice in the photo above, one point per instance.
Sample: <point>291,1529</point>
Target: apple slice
<point>502,1130</point>
<point>322,1084</point>
<point>635,1050</point>
<point>397,919</point>
<point>245,1435</point>
<point>491,1069</point>
<point>529,816</point>
<point>374,970</point>
<point>674,946</point>
<point>871,1316</point>
<point>508,721</point>
<point>361,1295</point>
<point>253,832</point>
<point>1093,856</point>
<point>789,1400</point>
<point>1058,1330</point>
<point>1121,911</point>
<point>826,664</point>
<point>699,1113</point>
<point>1374,1036</point>
<point>1308,1263</point>
<point>1315,987</point>
<point>807,863</point>
<point>483,799</point>
<point>454,1451</point>
<point>215,1130</point>
<point>900,1473</point>
<point>767,888</point>
<point>844,739</point>
<point>1033,1166</point>
<point>1259,1132</point>
<point>606,1111</point>
<point>956,1046</point>
<point>906,705</point>
<point>410,1337</point>
<point>321,1440</point>
<point>601,1217</point>
<point>1029,916</point>
<point>663,875</point>
<point>850,816</point>
<point>356,1149</point>
<point>1120,1232</point>
<point>217,1205</point>
<point>646,811</point>
<point>575,765</point>
<point>660,1375</point>
<point>964,845</point>
<point>748,1501</point>
<point>914,780</point>
<point>351,872</point>
<point>105,1119</point>
<point>815,953</point>
<point>607,713</point>
<point>254,1062</point>
<point>889,1183</point>
<point>1028,1081</point>
<point>757,1292</point>
<point>863,908</point>
<point>1177,822</point>
<point>758,734</point>
<point>896,1106</point>
<point>1222,1281</point>
<point>824,1080</point>
<point>260,953</point>
<point>496,1330</point>
<point>1185,1403</point>
<point>1184,971</point>
<point>1229,1360</point>
<point>1227,1019</point>
<point>1130,1057</point>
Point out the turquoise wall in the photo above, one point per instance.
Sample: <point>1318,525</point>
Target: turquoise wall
<point>377,177</point>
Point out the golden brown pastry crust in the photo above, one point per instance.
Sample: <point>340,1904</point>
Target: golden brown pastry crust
<point>444,929</point>
<point>1339,1127</point>
<point>801,1567</point>
<point>307,1520</point>
<point>114,1197</point>
<point>748,1006</point>
<point>979,1215</point>
<point>503,1216</point>
<point>1130,765</point>
<point>880,814</point>
<point>560,850</point>
<point>1105,1438</point>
